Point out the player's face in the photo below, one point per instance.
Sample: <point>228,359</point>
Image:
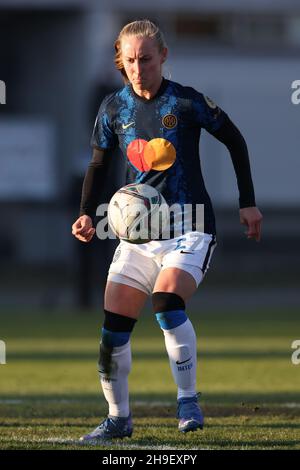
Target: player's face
<point>142,62</point>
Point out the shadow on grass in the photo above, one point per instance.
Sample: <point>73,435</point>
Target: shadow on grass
<point>85,406</point>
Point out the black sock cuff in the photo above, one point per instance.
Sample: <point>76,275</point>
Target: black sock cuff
<point>118,323</point>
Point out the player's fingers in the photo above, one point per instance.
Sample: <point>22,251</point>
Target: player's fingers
<point>78,232</point>
<point>258,231</point>
<point>76,226</point>
<point>90,233</point>
<point>82,229</point>
<point>81,226</point>
<point>252,230</point>
<point>86,237</point>
<point>86,226</point>
<point>82,238</point>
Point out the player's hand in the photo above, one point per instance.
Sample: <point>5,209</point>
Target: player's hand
<point>252,218</point>
<point>83,228</point>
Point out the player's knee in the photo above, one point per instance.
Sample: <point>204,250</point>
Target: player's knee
<point>116,323</point>
<point>169,309</point>
<point>167,301</point>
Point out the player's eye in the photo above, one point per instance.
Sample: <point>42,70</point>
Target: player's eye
<point>142,59</point>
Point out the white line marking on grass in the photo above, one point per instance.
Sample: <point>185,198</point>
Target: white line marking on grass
<point>153,403</point>
<point>290,405</point>
<point>137,446</point>
<point>11,402</point>
<point>5,401</point>
<point>109,443</point>
<point>39,400</point>
<point>59,440</point>
<point>106,444</point>
<point>50,440</point>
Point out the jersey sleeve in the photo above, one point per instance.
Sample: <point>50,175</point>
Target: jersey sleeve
<point>94,182</point>
<point>207,114</point>
<point>103,135</point>
<point>230,136</point>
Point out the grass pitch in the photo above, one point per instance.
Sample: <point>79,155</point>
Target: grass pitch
<point>50,394</point>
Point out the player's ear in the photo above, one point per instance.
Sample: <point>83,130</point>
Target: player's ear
<point>164,54</point>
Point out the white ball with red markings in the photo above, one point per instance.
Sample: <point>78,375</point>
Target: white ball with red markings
<point>138,213</point>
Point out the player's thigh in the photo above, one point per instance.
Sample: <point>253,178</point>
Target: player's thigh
<point>177,281</point>
<point>185,265</point>
<point>123,299</point>
<point>132,268</point>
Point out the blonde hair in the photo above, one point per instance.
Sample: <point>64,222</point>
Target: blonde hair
<point>139,28</point>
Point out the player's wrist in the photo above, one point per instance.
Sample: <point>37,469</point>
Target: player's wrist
<point>87,218</point>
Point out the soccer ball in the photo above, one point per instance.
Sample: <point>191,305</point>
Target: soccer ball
<point>138,213</point>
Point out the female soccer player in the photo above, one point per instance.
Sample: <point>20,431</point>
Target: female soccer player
<point>156,123</point>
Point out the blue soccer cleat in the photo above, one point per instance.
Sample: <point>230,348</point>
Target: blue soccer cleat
<point>112,427</point>
<point>190,414</point>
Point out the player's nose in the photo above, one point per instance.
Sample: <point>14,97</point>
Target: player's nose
<point>137,68</point>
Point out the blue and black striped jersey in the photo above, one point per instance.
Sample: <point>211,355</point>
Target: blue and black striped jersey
<point>160,140</point>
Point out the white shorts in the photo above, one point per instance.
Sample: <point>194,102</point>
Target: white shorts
<point>139,265</point>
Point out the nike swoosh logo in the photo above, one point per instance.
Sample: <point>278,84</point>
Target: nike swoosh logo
<point>124,126</point>
<point>184,361</point>
<point>187,252</point>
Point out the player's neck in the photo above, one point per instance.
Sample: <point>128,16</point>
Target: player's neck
<point>148,94</point>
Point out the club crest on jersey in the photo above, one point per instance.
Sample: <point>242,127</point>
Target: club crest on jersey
<point>210,102</point>
<point>169,121</point>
